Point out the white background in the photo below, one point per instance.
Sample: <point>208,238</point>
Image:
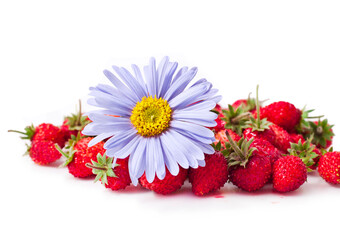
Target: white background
<point>51,52</point>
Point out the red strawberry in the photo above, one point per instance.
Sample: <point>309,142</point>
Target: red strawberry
<point>79,154</point>
<point>321,132</point>
<point>329,167</point>
<point>168,185</point>
<point>211,177</point>
<point>261,128</point>
<point>222,137</point>
<point>289,173</point>
<point>246,104</point>
<point>42,138</point>
<point>307,151</point>
<point>283,114</point>
<point>114,177</point>
<point>295,138</point>
<point>43,152</point>
<point>266,149</point>
<point>249,168</point>
<point>273,134</point>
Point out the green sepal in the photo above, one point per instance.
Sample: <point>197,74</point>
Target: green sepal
<point>28,132</point>
<point>258,125</point>
<point>69,149</point>
<point>236,120</point>
<point>304,152</point>
<point>320,132</point>
<point>103,168</point>
<point>238,153</point>
<point>77,121</point>
<point>217,146</point>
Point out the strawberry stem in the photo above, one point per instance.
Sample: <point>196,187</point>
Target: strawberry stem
<point>95,167</point>
<point>234,146</point>
<point>16,131</point>
<point>258,107</point>
<point>235,120</point>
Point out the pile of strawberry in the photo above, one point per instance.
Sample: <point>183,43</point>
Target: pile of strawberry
<point>255,145</point>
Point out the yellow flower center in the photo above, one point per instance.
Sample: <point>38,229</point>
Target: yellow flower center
<point>151,116</point>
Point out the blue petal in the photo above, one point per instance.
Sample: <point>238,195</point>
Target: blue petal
<point>159,158</point>
<point>195,137</point>
<point>100,138</point>
<point>171,164</point>
<point>200,106</point>
<point>128,148</point>
<point>178,86</point>
<point>119,85</point>
<point>201,163</point>
<point>150,167</point>
<point>188,97</point>
<point>174,153</point>
<point>114,110</point>
<point>193,128</point>
<point>130,81</point>
<point>168,78</point>
<point>118,141</point>
<point>206,119</point>
<point>180,73</point>
<point>137,162</point>
<point>106,119</point>
<point>151,77</point>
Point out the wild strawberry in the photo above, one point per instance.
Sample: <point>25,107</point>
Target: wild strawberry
<point>43,152</point>
<point>74,124</point>
<point>307,152</point>
<point>295,138</point>
<point>211,177</point>
<point>289,173</point>
<point>283,114</point>
<point>329,167</point>
<point>45,132</point>
<point>114,177</point>
<point>219,122</point>
<point>167,185</point>
<point>321,133</point>
<point>246,104</point>
<point>266,149</point>
<point>41,139</point>
<point>78,154</point>
<point>249,168</point>
<point>222,137</point>
<point>261,128</point>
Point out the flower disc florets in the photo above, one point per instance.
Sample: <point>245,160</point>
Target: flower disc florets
<point>151,116</point>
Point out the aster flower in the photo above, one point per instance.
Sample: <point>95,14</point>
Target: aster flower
<point>159,120</point>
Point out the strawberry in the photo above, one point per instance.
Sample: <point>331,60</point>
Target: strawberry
<point>321,132</point>
<point>307,152</point>
<point>249,168</point>
<point>45,132</point>
<point>74,124</point>
<point>222,137</point>
<point>266,149</point>
<point>261,128</point>
<point>329,167</point>
<point>289,173</point>
<point>116,177</point>
<point>78,154</point>
<point>43,152</point>
<point>247,105</point>
<point>219,122</point>
<point>42,140</point>
<point>211,177</point>
<point>295,138</point>
<point>168,185</point>
<point>283,114</point>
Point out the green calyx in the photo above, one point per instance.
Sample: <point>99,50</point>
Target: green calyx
<point>258,124</point>
<point>238,153</point>
<point>69,151</point>
<point>304,151</point>
<point>304,124</point>
<point>77,121</point>
<point>321,132</point>
<point>28,132</point>
<point>236,120</point>
<point>103,168</point>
